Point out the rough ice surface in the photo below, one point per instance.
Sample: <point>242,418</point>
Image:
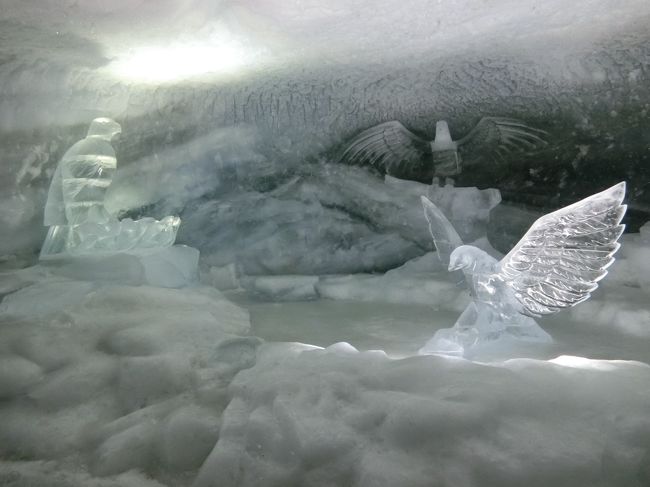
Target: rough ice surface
<point>556,265</point>
<point>137,385</point>
<point>75,210</point>
<point>131,377</point>
<point>369,420</point>
<point>336,219</point>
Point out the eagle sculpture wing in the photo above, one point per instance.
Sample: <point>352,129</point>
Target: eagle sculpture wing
<point>444,235</point>
<point>559,261</point>
<point>391,147</point>
<point>498,136</point>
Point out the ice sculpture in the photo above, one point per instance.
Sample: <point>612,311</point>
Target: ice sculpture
<point>556,264</point>
<point>75,213</point>
<point>394,148</point>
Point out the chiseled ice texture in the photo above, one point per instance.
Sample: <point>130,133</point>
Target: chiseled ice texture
<point>334,219</point>
<point>392,148</point>
<point>123,235</point>
<point>336,416</point>
<point>82,177</point>
<point>557,264</point>
<point>75,212</point>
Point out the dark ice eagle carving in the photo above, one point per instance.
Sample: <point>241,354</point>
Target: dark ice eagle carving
<point>393,148</point>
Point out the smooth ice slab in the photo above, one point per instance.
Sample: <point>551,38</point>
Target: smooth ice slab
<point>171,267</point>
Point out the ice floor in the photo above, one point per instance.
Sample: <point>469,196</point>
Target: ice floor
<point>104,383</point>
<point>400,330</point>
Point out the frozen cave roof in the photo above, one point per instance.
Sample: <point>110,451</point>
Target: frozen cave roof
<point>93,33</point>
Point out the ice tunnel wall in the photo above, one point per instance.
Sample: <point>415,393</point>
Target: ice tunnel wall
<point>318,74</point>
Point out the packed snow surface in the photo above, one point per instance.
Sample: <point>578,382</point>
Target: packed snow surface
<point>342,417</point>
<point>104,383</point>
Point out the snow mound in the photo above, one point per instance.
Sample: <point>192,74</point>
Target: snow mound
<point>114,377</point>
<point>340,417</point>
<point>104,383</point>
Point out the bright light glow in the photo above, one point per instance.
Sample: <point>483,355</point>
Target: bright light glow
<point>164,64</point>
<point>585,363</point>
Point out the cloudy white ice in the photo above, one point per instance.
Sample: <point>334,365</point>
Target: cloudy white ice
<point>287,356</point>
<point>105,383</point>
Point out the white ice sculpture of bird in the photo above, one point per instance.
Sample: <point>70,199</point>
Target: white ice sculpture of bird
<point>556,264</point>
<point>393,148</point>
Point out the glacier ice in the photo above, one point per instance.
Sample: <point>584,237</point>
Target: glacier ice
<point>557,264</point>
<point>334,219</point>
<point>75,213</point>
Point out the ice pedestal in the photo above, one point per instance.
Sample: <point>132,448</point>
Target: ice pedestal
<point>110,236</point>
<point>170,267</point>
<point>479,327</point>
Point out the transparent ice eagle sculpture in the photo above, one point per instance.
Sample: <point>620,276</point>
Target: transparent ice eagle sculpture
<point>392,147</point>
<point>556,264</point>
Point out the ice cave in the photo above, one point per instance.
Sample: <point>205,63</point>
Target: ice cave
<point>324,243</point>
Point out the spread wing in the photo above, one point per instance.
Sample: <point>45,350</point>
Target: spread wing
<point>388,146</point>
<point>499,136</point>
<point>564,254</point>
<point>443,232</point>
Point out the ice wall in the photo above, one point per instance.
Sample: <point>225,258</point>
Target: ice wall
<point>335,219</point>
<point>315,75</point>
